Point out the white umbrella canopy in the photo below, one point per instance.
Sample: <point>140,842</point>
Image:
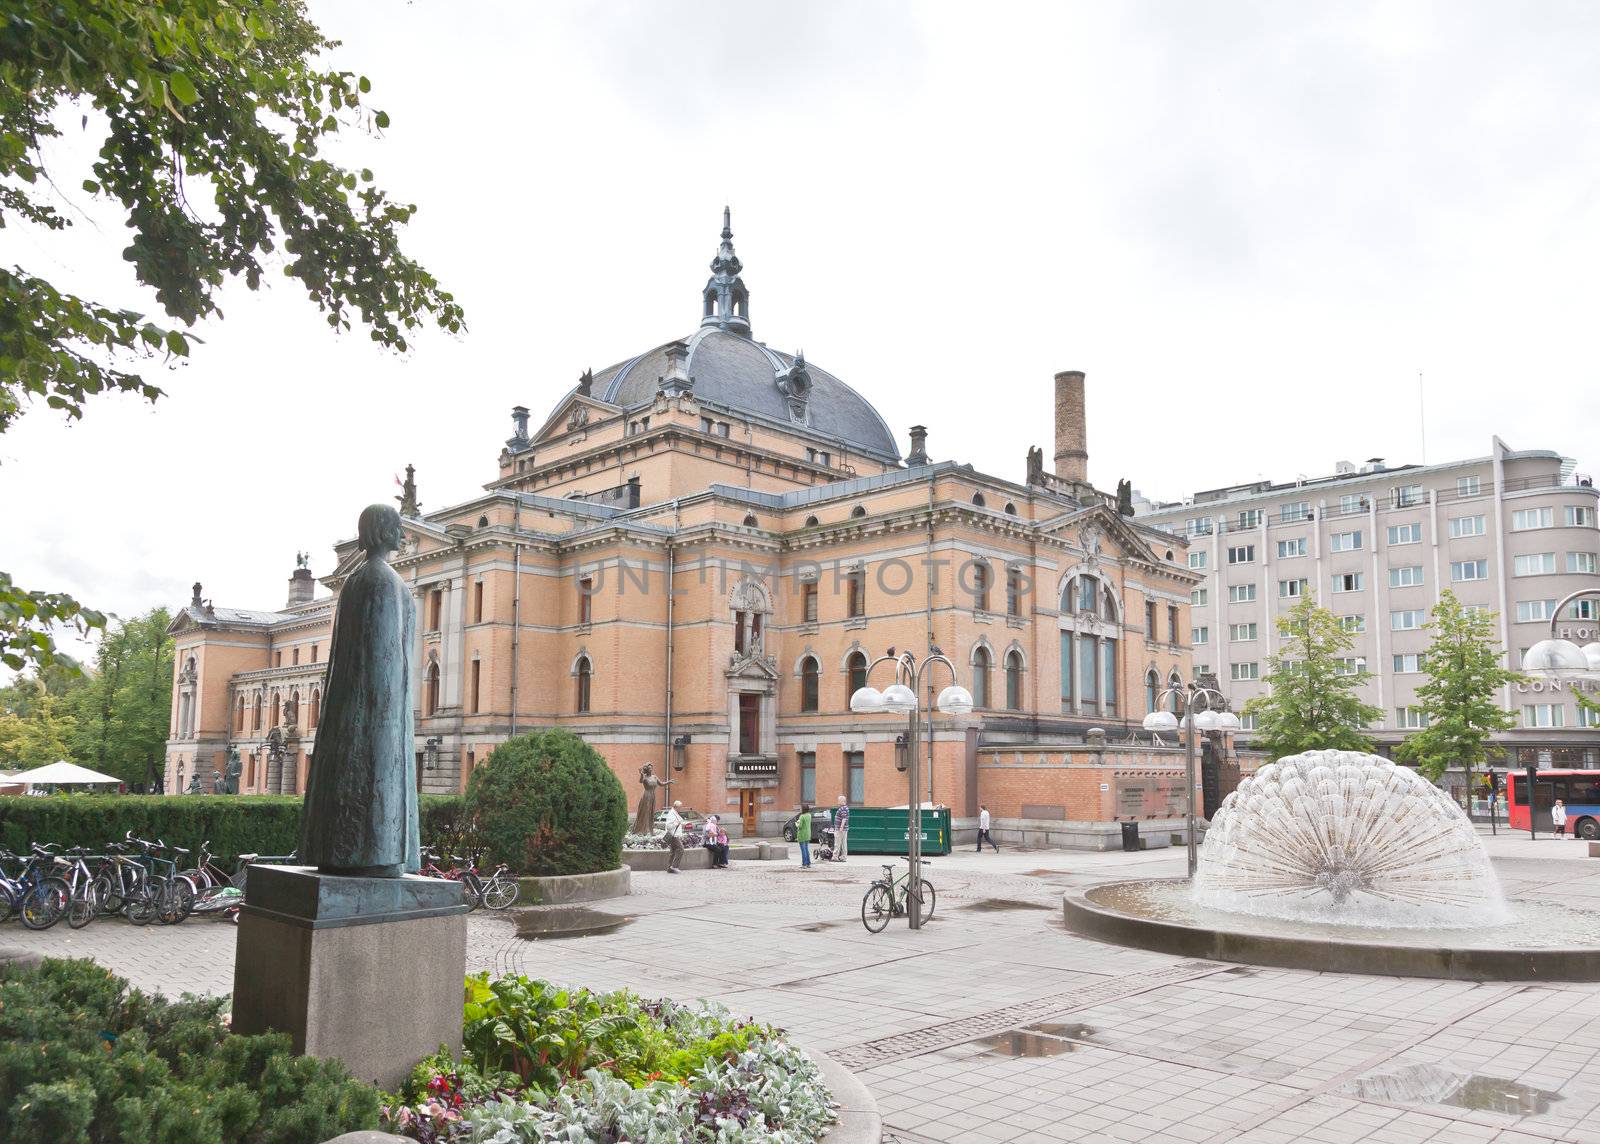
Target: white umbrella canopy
<point>63,774</point>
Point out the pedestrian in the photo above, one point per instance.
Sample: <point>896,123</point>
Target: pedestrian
<point>673,828</point>
<point>802,835</point>
<point>983,829</point>
<point>841,830</point>
<point>717,843</point>
<point>1558,818</point>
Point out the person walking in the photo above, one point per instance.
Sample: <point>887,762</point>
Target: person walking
<point>983,829</point>
<point>841,830</point>
<point>1558,818</point>
<point>673,828</point>
<point>802,835</point>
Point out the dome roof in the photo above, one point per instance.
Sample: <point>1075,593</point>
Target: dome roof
<point>732,371</point>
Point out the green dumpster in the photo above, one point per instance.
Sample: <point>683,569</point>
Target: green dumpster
<point>884,830</point>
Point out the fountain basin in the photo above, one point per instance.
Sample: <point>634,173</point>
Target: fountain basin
<point>1543,941</point>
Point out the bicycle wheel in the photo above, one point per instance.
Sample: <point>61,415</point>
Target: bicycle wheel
<point>176,902</point>
<point>43,904</point>
<point>7,900</point>
<point>926,897</point>
<point>498,892</point>
<point>877,908</point>
<point>109,894</point>
<point>83,907</point>
<point>143,904</point>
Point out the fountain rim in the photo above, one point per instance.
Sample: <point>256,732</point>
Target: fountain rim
<point>1087,918</point>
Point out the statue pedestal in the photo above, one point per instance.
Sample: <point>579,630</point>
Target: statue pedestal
<point>367,970</point>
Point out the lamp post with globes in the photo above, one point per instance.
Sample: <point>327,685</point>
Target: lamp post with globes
<point>1206,718</point>
<point>900,698</point>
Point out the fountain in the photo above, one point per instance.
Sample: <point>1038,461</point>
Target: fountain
<point>1342,861</point>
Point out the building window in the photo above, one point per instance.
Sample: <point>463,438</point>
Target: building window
<point>1014,588</point>
<point>1198,526</point>
<point>1014,680</point>
<point>276,709</point>
<point>474,682</point>
<point>1408,664</point>
<point>1466,526</point>
<point>808,777</point>
<point>855,667</point>
<point>585,599</point>
<point>1345,541</point>
<point>277,659</point>
<point>1579,516</point>
<point>1199,596</point>
<point>1526,518</point>
<point>1291,548</point>
<point>1530,611</point>
<point>705,427</point>
<point>1407,621</point>
<point>1150,618</point>
<point>808,601</point>
<point>1299,510</point>
<point>256,723</point>
<point>749,723</point>
<point>316,707</point>
<point>750,520</point>
<point>477,602</point>
<point>1352,502</point>
<point>980,677</point>
<point>1409,576</point>
<point>1467,486</point>
<point>1534,564</point>
<point>1200,635</point>
<point>238,716</point>
<point>1347,581</point>
<point>1583,562</point>
<point>1247,722</point>
<point>1404,496</point>
<point>1544,715</point>
<point>1249,517</point>
<point>1068,653</point>
<point>430,694</point>
<point>980,587</point>
<point>1242,554</point>
<point>1410,718</point>
<point>313,653</point>
<point>1152,691</point>
<point>810,681</point>
<point>1461,570</point>
<point>1172,623</point>
<point>1088,681</point>
<point>1588,718</point>
<point>855,584</point>
<point>1241,593</point>
<point>435,608</point>
<point>858,512</point>
<point>977,499</point>
<point>1108,656</point>
<point>1586,609</point>
<point>1241,633</point>
<point>1197,559</point>
<point>1245,671</point>
<point>1291,589</point>
<point>1353,623</point>
<point>1350,665</point>
<point>294,657</point>
<point>855,765</point>
<point>1405,533</point>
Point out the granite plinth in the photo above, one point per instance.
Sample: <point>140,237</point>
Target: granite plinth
<point>365,970</point>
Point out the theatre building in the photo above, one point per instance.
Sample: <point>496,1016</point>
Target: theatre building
<point>692,559</point>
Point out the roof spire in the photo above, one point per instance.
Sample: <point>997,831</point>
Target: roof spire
<point>726,302</point>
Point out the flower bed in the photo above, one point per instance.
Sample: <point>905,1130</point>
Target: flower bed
<point>644,842</point>
<point>542,1064</point>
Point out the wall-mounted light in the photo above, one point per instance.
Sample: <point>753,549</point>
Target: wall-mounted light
<point>902,762</point>
<point>680,752</point>
<point>430,753</point>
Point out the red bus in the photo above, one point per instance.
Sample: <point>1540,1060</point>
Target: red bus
<point>1580,790</point>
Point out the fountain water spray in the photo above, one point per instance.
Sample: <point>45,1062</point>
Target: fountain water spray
<point>1347,838</point>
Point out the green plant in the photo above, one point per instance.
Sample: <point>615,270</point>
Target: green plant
<point>1312,703</point>
<point>547,803</point>
<point>86,1060</point>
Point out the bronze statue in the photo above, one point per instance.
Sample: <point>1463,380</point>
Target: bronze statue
<point>361,797</point>
<point>644,820</point>
<point>230,780</point>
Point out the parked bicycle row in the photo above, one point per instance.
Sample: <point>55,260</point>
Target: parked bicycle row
<point>148,881</point>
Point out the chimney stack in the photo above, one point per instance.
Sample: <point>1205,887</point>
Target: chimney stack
<point>1072,443</point>
<point>919,446</point>
<point>301,587</point>
<point>195,602</point>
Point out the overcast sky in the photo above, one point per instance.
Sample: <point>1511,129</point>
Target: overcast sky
<point>1250,224</point>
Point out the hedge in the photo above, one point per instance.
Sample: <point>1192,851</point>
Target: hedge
<point>235,824</point>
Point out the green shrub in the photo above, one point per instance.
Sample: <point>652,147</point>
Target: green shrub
<point>84,1059</point>
<point>235,824</point>
<point>547,803</point>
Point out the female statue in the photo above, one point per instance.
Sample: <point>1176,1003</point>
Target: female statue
<point>644,818</point>
<point>361,796</point>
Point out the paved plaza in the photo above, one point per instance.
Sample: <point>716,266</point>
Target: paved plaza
<point>993,1023</point>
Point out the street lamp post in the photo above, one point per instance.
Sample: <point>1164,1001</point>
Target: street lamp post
<point>1206,718</point>
<point>901,698</point>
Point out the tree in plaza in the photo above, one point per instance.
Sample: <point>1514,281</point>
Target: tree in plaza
<point>34,726</point>
<point>1465,669</point>
<point>122,712</point>
<point>1312,702</point>
<point>213,115</point>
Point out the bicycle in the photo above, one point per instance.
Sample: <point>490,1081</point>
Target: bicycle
<point>886,897</point>
<point>31,894</point>
<point>497,893</point>
<point>167,897</point>
<point>83,900</point>
<point>119,880</point>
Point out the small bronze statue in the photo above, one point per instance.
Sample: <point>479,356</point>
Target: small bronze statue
<point>361,797</point>
<point>644,820</point>
<point>230,780</point>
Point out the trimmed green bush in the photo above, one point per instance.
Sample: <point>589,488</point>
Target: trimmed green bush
<point>235,824</point>
<point>547,803</point>
<point>86,1060</point>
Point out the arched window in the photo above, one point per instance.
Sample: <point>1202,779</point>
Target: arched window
<point>1011,509</point>
<point>483,522</point>
<point>585,676</point>
<point>238,716</point>
<point>811,522</point>
<point>256,725</point>
<point>855,668</point>
<point>1175,682</point>
<point>977,499</point>
<point>316,707</point>
<point>750,520</point>
<point>858,511</point>
<point>1014,680</point>
<point>1152,689</point>
<point>980,677</point>
<point>810,673</point>
<point>430,691</point>
<point>276,710</point>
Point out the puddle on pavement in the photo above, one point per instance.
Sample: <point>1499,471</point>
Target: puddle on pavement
<point>1047,873</point>
<point>991,905</point>
<point>1023,1044</point>
<point>568,921</point>
<point>818,927</point>
<point>1242,971</point>
<point>1072,1030</point>
<point>1438,1084</point>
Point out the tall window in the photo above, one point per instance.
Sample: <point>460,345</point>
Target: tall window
<point>586,599</point>
<point>1088,594</point>
<point>1013,591</point>
<point>855,765</point>
<point>808,601</point>
<point>238,716</point>
<point>430,694</point>
<point>256,723</point>
<point>1172,623</point>
<point>1088,683</point>
<point>276,710</point>
<point>1152,689</point>
<point>477,602</point>
<point>475,680</point>
<point>1150,618</point>
<point>808,776</point>
<point>749,723</point>
<point>1108,654</point>
<point>980,587</point>
<point>585,684</point>
<point>855,666</point>
<point>1068,652</point>
<point>1014,680</point>
<point>435,608</point>
<point>316,707</point>
<point>856,593</point>
<point>980,677</point>
<point>810,675</point>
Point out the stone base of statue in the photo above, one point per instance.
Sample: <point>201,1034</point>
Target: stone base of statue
<point>366,970</point>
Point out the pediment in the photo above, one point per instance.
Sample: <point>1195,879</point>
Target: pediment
<point>1100,531</point>
<point>574,413</point>
<point>758,667</point>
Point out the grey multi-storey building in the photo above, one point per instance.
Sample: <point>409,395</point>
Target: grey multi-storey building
<point>1513,533</point>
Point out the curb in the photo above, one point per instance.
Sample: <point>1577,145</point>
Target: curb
<point>859,1120</point>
